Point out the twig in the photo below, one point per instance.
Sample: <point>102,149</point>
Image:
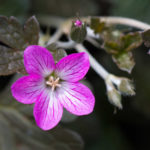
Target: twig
<point>93,41</point>
<point>56,36</point>
<point>67,45</point>
<point>126,21</point>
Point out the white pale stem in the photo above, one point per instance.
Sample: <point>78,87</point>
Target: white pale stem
<point>126,21</point>
<point>55,37</point>
<point>67,45</point>
<point>94,64</point>
<point>56,21</point>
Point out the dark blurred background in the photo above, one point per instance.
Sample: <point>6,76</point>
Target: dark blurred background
<point>128,129</point>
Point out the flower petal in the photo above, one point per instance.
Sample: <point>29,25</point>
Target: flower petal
<point>76,98</point>
<point>73,67</point>
<point>38,60</point>
<point>26,89</point>
<point>48,110</point>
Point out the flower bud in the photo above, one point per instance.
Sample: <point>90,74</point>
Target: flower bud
<point>126,87</point>
<point>114,98</point>
<point>78,31</point>
<point>78,23</point>
<point>113,94</point>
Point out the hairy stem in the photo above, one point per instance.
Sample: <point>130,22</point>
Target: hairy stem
<point>66,45</point>
<point>55,21</point>
<point>56,36</point>
<point>126,21</point>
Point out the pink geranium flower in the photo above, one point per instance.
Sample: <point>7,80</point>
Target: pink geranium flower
<point>53,86</point>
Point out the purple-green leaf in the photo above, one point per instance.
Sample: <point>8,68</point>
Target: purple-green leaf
<point>120,48</point>
<point>97,25</point>
<point>124,61</point>
<point>57,53</point>
<point>15,38</point>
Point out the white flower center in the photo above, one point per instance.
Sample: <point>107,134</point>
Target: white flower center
<point>53,82</point>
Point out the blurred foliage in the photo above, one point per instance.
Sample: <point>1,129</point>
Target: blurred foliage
<point>113,139</point>
<point>97,25</point>
<point>146,38</point>
<point>18,8</point>
<point>138,9</point>
<point>7,141</point>
<point>141,78</point>
<point>34,137</point>
<point>65,8</point>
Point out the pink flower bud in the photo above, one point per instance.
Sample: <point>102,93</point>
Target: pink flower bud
<point>78,23</point>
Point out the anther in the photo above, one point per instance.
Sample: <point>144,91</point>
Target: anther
<point>53,82</point>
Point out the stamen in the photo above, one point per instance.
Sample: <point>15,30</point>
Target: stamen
<point>53,82</point>
<point>57,80</point>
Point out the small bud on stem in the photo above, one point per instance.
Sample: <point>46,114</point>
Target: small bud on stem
<point>78,23</point>
<point>78,31</point>
<point>124,85</point>
<point>113,94</point>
